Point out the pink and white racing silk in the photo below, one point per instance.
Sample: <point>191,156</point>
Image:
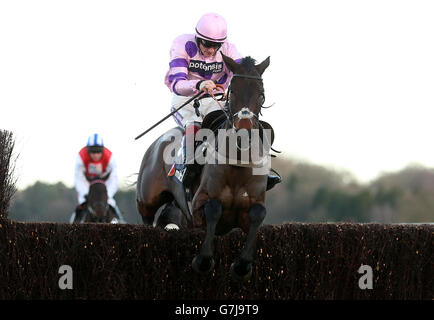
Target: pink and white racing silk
<point>188,66</point>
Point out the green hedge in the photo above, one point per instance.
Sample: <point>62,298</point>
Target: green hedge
<point>293,261</point>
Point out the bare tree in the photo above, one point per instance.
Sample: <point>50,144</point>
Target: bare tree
<point>7,166</point>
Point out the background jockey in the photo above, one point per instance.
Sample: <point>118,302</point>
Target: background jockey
<point>195,65</point>
<point>95,160</point>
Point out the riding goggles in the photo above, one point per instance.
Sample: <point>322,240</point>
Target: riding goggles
<point>95,149</point>
<point>210,44</point>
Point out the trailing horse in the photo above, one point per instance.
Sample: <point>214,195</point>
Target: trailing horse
<point>96,208</point>
<point>224,196</point>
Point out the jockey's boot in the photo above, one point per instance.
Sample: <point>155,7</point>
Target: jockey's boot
<point>119,214</point>
<point>273,179</point>
<point>187,168</point>
<point>79,211</point>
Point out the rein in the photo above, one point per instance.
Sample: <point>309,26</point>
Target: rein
<point>96,181</point>
<point>218,101</point>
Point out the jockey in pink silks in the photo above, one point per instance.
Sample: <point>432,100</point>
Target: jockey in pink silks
<point>196,65</point>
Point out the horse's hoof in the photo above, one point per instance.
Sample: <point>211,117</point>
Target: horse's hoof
<point>202,265</point>
<point>241,272</point>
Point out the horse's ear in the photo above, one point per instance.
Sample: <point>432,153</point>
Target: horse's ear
<point>263,65</point>
<point>230,63</point>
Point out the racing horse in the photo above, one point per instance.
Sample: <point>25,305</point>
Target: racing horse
<point>225,196</point>
<point>96,208</point>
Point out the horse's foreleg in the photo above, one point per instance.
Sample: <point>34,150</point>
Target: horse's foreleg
<point>241,269</point>
<point>204,262</point>
<point>147,212</point>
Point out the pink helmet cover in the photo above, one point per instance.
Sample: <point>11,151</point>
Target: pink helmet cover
<point>212,26</point>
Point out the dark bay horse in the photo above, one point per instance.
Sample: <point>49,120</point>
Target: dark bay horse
<point>225,196</point>
<point>97,208</point>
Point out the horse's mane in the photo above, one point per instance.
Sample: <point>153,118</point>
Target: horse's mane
<point>248,63</point>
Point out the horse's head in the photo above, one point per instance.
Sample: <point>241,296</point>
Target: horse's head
<point>97,204</point>
<point>246,91</point>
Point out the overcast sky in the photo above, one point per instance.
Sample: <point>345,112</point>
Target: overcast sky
<point>352,81</point>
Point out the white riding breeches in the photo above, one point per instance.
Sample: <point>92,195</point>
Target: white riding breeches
<point>187,114</point>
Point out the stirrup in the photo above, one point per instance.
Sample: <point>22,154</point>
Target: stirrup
<point>72,218</point>
<point>120,216</point>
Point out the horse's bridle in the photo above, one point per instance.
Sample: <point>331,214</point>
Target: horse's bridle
<point>227,110</point>
<point>228,100</point>
<point>227,107</point>
<point>98,203</point>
